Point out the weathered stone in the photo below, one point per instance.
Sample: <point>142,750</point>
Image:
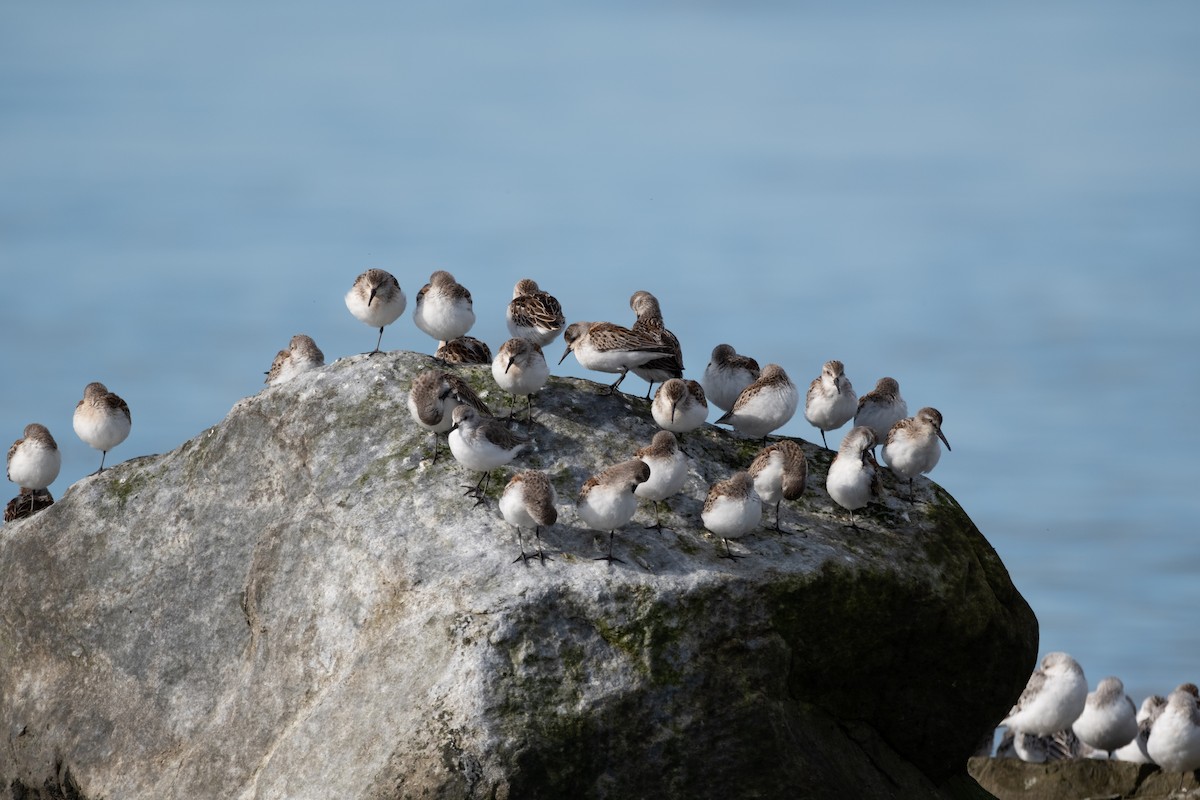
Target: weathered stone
<point>297,603</point>
<point>1013,779</point>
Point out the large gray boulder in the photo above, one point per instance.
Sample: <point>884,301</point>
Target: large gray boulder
<point>297,603</point>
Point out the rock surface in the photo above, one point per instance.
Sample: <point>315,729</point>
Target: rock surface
<point>1013,779</point>
<point>297,603</point>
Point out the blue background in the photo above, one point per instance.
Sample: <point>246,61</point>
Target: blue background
<point>997,205</point>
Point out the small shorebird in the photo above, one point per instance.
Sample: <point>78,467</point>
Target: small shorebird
<point>679,405</point>
<point>101,419</point>
<point>376,299</point>
<point>301,355</point>
<point>529,501</point>
<point>912,445</point>
<point>668,471</point>
<point>34,460</point>
<point>27,503</point>
<point>780,471</point>
<point>605,347</point>
<point>649,323</point>
<point>727,374</point>
<point>434,396</point>
<point>853,478</point>
<point>881,408</point>
<point>443,308</point>
<point>765,405</point>
<point>1174,741</point>
<point>1109,720</point>
<point>464,350</point>
<point>1135,751</point>
<point>1053,698</point>
<point>483,444</point>
<point>830,402</point>
<point>732,509</point>
<point>607,500</point>
<point>533,314</point>
<point>520,369</point>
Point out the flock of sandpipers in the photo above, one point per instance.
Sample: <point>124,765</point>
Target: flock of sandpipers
<point>756,402</point>
<point>1057,719</point>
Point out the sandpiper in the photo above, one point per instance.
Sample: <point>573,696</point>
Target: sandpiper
<point>101,419</point>
<point>668,471</point>
<point>830,402</point>
<point>1109,720</point>
<point>780,471</point>
<point>650,323</point>
<point>376,299</point>
<point>765,405</point>
<point>853,478</point>
<point>605,347</point>
<point>529,501</point>
<point>727,374</point>
<point>732,509</point>
<point>881,408</point>
<point>27,503</point>
<point>1148,712</point>
<point>434,396</point>
<point>34,459</point>
<point>1174,741</point>
<point>520,369</point>
<point>534,314</point>
<point>464,350</point>
<point>301,355</point>
<point>607,500</point>
<point>679,405</point>
<point>443,308</point>
<point>1053,698</point>
<point>483,444</point>
<point>912,445</point>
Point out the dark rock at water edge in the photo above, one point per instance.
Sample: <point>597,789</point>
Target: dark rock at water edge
<point>297,603</point>
<point>1013,779</point>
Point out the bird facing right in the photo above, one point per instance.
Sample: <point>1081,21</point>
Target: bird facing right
<point>607,500</point>
<point>434,396</point>
<point>482,444</point>
<point>732,509</point>
<point>765,405</point>
<point>912,445</point>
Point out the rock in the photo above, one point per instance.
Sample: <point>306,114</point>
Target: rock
<point>1013,779</point>
<point>296,603</point>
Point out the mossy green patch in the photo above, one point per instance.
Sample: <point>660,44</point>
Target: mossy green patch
<point>121,489</point>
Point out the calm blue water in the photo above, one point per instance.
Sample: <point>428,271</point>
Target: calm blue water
<point>998,206</point>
